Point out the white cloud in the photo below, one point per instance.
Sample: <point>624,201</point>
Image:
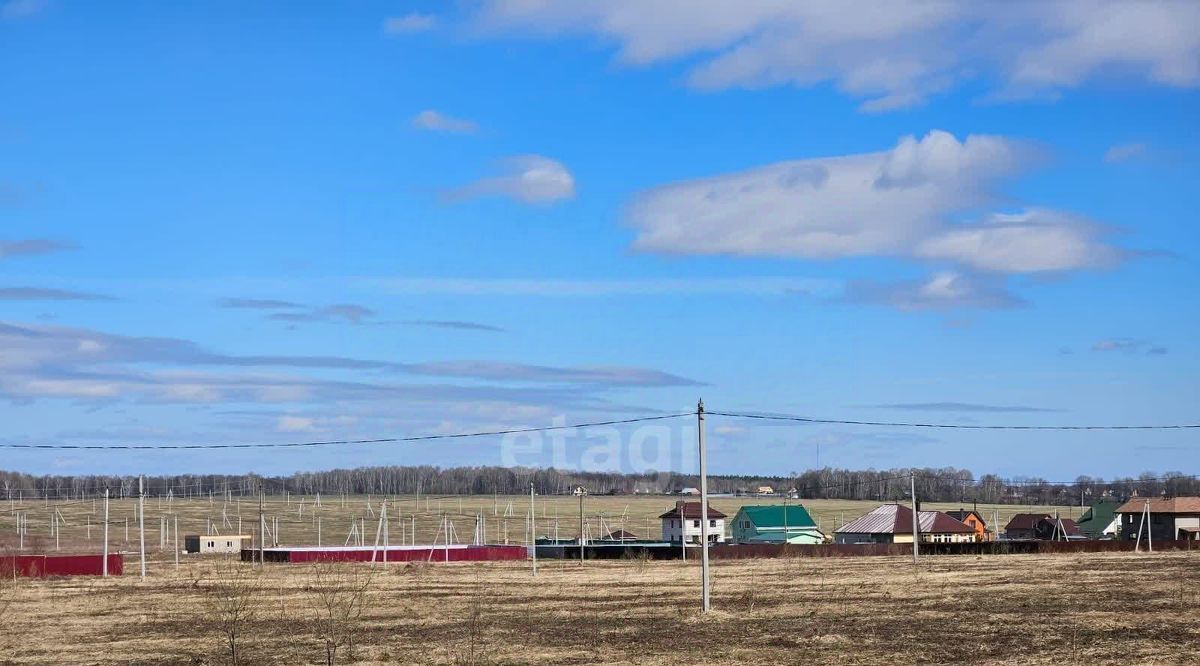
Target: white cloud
<point>903,202</point>
<point>408,24</point>
<point>1029,242</point>
<point>890,54</point>
<point>532,179</point>
<point>1124,152</point>
<point>435,121</point>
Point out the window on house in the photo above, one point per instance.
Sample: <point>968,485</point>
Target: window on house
<point>695,523</point>
<point>712,523</point>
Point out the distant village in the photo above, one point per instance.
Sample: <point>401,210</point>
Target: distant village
<point>1133,518</point>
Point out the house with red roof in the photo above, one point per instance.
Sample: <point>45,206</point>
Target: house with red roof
<point>893,523</point>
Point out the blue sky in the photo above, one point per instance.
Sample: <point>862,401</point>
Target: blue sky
<point>285,223</point>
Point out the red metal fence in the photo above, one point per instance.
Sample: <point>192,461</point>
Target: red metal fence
<point>40,566</point>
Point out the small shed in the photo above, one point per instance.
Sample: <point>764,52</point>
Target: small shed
<point>215,543</point>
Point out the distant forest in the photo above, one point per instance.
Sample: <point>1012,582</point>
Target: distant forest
<point>933,485</point>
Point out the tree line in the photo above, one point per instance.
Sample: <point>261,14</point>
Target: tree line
<point>932,484</point>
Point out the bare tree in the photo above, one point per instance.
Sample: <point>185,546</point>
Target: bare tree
<point>8,591</point>
<point>340,593</point>
<point>473,650</point>
<point>233,601</point>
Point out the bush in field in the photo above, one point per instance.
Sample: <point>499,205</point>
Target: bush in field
<point>340,593</point>
<point>233,602</point>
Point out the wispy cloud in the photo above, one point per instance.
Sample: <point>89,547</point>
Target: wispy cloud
<point>44,294</point>
<point>598,287</point>
<point>19,9</point>
<point>1129,346</point>
<point>942,291</point>
<point>1125,152</point>
<point>55,361</point>
<point>457,325</point>
<point>964,407</point>
<point>348,312</point>
<point>257,304</point>
<point>530,179</point>
<point>409,23</point>
<point>436,121</point>
<point>31,246</point>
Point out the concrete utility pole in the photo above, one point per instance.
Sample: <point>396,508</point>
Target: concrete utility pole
<point>532,528</point>
<point>704,592</point>
<point>104,565</point>
<point>916,519</point>
<point>580,492</point>
<point>142,524</point>
<point>262,528</point>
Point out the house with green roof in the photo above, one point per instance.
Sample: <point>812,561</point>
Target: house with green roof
<point>1101,520</point>
<point>775,523</point>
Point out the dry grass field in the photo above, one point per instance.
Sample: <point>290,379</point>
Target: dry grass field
<point>298,517</point>
<point>1096,608</point>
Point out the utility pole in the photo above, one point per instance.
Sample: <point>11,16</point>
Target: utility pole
<point>580,492</point>
<point>532,529</point>
<point>704,591</point>
<point>1149,528</point>
<point>104,566</point>
<point>262,525</point>
<point>916,519</point>
<point>142,524</point>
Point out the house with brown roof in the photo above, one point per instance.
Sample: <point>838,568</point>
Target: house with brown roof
<point>893,523</point>
<point>1041,527</point>
<point>683,524</point>
<point>1170,518</point>
<point>1024,526</point>
<point>972,519</point>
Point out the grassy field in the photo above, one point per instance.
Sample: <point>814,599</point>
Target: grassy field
<point>298,517</point>
<point>1097,609</point>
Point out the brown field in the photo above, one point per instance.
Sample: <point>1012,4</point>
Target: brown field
<point>298,521</point>
<point>1096,608</point>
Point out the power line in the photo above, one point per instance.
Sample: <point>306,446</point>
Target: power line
<point>385,440</point>
<point>958,426</point>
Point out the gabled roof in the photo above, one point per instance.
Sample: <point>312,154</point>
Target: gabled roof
<point>621,535</point>
<point>1070,528</point>
<point>768,515</point>
<point>1026,521</point>
<point>691,510</point>
<point>961,515</point>
<point>897,519</point>
<point>1098,517</point>
<point>1167,505</point>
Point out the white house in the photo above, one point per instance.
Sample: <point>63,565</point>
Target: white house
<point>215,543</point>
<point>683,523</point>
